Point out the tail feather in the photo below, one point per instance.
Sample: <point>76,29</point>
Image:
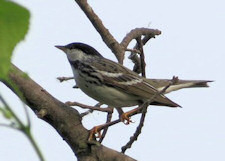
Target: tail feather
<point>201,84</point>
<point>164,101</point>
<point>161,83</point>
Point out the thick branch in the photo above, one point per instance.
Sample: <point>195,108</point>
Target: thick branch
<point>64,119</point>
<point>109,40</point>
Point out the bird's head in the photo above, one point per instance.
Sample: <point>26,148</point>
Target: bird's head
<point>79,51</point>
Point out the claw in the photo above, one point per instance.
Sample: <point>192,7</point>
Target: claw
<point>95,132</point>
<point>125,118</point>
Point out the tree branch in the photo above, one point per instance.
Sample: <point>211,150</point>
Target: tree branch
<point>66,120</point>
<point>107,37</point>
<point>134,57</point>
<point>135,33</point>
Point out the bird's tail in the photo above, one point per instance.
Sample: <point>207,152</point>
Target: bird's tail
<point>161,83</point>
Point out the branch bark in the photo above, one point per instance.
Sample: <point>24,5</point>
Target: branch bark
<point>107,37</point>
<point>65,120</point>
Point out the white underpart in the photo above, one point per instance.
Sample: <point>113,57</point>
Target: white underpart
<point>176,87</point>
<point>104,94</point>
<point>110,74</point>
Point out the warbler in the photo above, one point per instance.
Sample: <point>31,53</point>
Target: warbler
<point>113,84</point>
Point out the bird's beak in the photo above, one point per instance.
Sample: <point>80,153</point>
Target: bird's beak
<point>63,48</point>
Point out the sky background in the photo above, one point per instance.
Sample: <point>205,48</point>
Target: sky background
<point>191,46</point>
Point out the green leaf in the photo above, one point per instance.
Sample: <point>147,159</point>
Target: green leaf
<point>14,23</point>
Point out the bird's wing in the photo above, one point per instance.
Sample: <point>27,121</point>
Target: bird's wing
<point>128,81</point>
<point>111,66</point>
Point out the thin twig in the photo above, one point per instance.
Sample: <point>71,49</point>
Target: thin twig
<point>134,51</point>
<point>86,113</point>
<point>90,110</point>
<point>27,114</point>
<point>11,111</point>
<point>61,79</point>
<point>142,56</point>
<point>88,107</point>
<point>10,126</point>
<point>34,144</point>
<point>138,130</point>
<point>144,111</point>
<point>109,118</point>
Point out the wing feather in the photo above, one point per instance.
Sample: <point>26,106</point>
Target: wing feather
<point>129,82</point>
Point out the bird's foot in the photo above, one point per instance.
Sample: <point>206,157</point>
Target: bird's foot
<point>95,132</point>
<point>125,118</point>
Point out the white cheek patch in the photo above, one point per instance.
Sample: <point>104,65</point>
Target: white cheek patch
<point>76,54</point>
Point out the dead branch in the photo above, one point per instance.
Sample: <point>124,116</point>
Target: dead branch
<point>135,33</point>
<point>142,56</point>
<point>133,56</point>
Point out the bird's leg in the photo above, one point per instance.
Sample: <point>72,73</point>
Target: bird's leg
<point>97,129</point>
<point>120,111</point>
<point>125,117</point>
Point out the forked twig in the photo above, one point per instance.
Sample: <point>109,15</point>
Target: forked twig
<point>134,56</point>
<point>90,110</point>
<point>89,107</point>
<point>135,33</point>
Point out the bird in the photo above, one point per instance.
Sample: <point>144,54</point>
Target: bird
<point>115,85</point>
